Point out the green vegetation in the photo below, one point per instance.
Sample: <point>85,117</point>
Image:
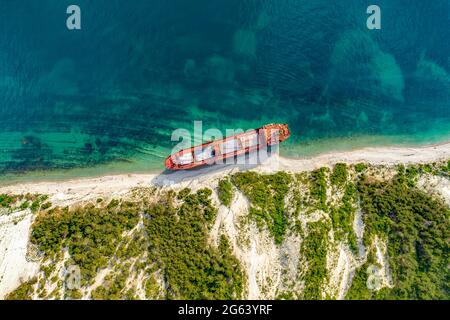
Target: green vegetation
<point>113,289</point>
<point>225,191</point>
<point>184,193</point>
<point>318,188</point>
<point>416,227</point>
<point>360,167</point>
<point>339,175</point>
<point>314,249</point>
<point>343,216</point>
<point>47,270</point>
<point>23,292</point>
<point>6,200</point>
<point>35,206</point>
<point>73,294</point>
<point>24,205</point>
<point>266,195</point>
<point>90,233</point>
<point>359,289</point>
<point>179,247</point>
<point>408,175</point>
<point>174,242</point>
<point>22,202</point>
<point>46,205</point>
<point>411,173</point>
<point>152,289</point>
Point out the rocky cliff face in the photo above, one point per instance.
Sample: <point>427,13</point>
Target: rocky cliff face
<point>345,232</point>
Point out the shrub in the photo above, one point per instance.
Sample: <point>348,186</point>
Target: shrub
<point>225,192</point>
<point>339,175</point>
<point>318,189</point>
<point>360,167</point>
<point>46,205</point>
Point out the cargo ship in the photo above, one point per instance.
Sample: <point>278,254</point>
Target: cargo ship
<point>217,151</point>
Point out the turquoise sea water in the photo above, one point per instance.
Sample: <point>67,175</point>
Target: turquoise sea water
<point>106,98</point>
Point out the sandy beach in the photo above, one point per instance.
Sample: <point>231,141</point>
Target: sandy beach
<point>85,189</point>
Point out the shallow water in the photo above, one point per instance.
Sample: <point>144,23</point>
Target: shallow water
<point>108,97</point>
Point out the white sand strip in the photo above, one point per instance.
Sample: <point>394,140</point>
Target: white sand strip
<point>83,189</point>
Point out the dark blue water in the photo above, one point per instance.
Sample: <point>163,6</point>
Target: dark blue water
<point>114,91</point>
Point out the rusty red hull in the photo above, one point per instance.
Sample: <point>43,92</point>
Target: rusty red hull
<point>217,151</point>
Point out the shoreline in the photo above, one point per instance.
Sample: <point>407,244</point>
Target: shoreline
<point>112,169</point>
<point>87,188</point>
<point>440,144</point>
